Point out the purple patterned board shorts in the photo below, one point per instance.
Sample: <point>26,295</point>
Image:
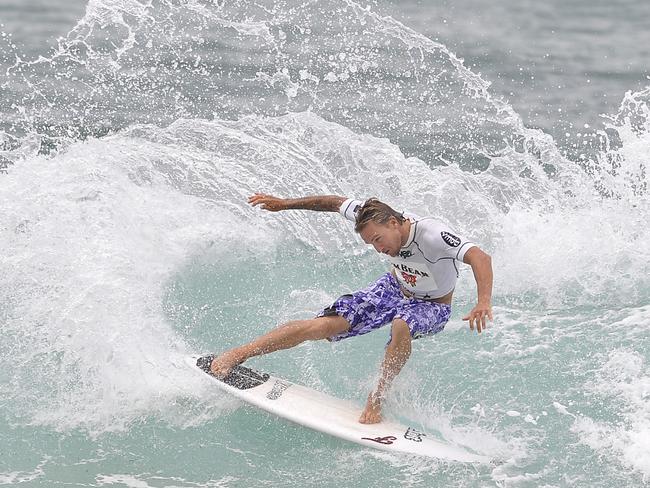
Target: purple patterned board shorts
<point>381,303</point>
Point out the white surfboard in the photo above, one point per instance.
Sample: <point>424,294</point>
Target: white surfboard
<point>328,414</point>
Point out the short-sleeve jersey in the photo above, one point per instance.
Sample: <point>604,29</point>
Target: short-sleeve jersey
<point>426,265</point>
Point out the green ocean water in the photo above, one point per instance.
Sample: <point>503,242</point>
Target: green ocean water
<point>128,151</point>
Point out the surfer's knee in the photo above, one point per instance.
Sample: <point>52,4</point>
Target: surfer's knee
<point>400,327</point>
<point>324,327</point>
<point>400,335</point>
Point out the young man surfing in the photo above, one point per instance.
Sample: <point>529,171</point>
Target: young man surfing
<point>414,297</point>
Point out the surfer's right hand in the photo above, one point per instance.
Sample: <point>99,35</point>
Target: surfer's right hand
<point>267,202</point>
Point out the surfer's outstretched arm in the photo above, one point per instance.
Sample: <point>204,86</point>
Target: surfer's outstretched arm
<point>395,357</point>
<point>319,203</point>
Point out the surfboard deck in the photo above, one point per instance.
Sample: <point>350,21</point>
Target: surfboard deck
<point>325,413</point>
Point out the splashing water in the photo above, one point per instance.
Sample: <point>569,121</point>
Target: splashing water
<point>129,152</point>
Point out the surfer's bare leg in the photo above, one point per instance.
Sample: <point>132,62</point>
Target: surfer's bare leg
<point>283,337</point>
<point>395,357</point>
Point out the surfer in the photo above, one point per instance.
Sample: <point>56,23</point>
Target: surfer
<point>414,297</point>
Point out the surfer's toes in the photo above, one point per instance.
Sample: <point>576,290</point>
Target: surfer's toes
<point>373,420</point>
<point>370,418</point>
<point>372,413</point>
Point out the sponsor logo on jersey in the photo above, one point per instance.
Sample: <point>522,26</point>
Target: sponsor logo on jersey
<point>409,278</point>
<point>405,254</point>
<point>407,269</point>
<point>450,239</point>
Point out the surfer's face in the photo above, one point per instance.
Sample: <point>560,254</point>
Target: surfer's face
<point>385,238</point>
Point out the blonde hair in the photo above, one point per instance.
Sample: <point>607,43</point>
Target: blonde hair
<point>375,211</point>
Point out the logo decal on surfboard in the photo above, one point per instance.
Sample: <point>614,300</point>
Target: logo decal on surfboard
<point>413,435</point>
<point>278,389</point>
<point>381,440</point>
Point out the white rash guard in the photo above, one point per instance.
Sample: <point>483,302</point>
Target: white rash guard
<point>426,265</point>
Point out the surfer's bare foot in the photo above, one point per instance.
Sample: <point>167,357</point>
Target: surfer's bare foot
<point>222,365</point>
<point>372,413</point>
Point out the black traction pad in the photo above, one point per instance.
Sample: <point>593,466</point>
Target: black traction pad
<point>240,377</point>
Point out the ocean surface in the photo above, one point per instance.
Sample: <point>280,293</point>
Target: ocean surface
<point>132,133</point>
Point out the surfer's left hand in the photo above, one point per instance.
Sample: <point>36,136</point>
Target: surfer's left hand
<point>477,317</point>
